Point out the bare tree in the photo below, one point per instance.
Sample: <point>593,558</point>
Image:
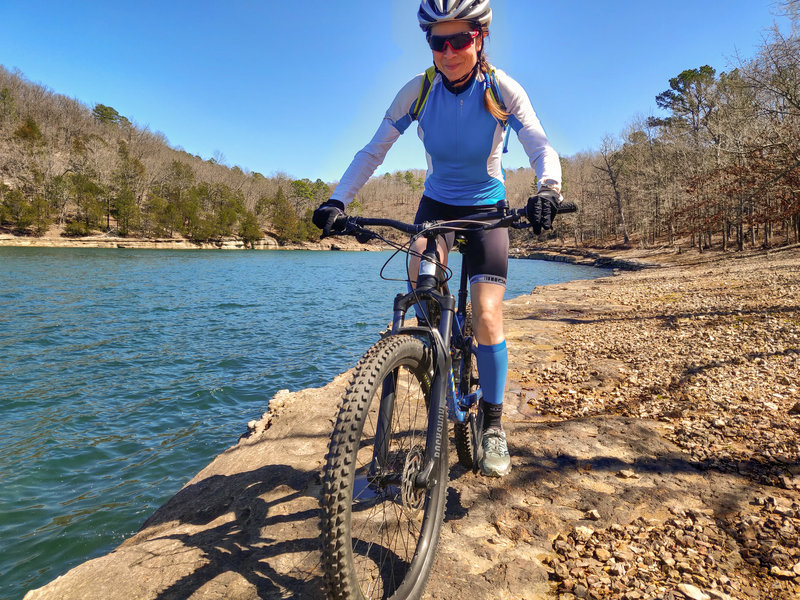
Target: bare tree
<point>611,164</point>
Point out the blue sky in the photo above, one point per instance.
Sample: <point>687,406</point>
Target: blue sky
<point>298,87</point>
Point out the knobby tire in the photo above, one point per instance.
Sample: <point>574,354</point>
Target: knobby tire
<point>466,372</point>
<point>379,541</point>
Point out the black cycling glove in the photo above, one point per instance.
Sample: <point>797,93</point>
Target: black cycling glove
<point>542,209</point>
<point>326,214</point>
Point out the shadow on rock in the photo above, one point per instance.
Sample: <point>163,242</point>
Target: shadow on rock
<point>243,523</point>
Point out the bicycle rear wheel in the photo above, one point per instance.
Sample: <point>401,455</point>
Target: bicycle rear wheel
<point>467,374</point>
<point>379,531</point>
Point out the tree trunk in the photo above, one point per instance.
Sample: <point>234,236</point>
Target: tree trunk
<point>725,230</point>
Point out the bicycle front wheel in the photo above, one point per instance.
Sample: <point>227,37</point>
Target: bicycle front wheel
<point>380,531</point>
<point>467,375</point>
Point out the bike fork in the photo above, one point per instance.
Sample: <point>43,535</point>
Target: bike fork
<point>436,437</point>
<point>384,426</point>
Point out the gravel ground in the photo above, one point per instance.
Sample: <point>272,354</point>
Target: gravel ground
<point>710,349</point>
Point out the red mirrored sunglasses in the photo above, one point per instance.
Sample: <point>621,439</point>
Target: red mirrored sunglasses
<point>457,41</point>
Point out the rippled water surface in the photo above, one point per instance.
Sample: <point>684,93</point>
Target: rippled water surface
<point>124,372</point>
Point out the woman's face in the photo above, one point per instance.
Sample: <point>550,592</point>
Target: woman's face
<point>455,64</point>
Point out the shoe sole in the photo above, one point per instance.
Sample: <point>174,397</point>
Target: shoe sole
<point>495,472</point>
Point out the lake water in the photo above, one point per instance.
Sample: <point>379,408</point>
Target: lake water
<point>124,372</point>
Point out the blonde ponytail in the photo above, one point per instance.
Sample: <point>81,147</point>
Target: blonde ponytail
<point>489,101</point>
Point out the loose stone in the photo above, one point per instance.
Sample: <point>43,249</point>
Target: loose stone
<point>602,554</point>
<point>692,592</point>
<point>782,573</point>
<point>627,474</point>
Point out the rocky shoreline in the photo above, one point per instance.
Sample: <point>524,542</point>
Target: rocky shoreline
<point>628,261</point>
<point>654,424</point>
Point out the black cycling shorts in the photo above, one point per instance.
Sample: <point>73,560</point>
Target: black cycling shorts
<point>486,252</point>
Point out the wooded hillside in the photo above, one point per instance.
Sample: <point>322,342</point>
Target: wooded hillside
<point>92,169</point>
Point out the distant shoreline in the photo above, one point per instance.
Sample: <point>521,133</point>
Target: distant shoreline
<point>570,255</point>
<point>625,260</point>
<point>631,259</point>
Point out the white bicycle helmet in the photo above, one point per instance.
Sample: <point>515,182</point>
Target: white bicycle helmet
<point>432,12</point>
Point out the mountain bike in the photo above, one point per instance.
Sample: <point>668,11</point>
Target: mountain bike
<point>385,478</point>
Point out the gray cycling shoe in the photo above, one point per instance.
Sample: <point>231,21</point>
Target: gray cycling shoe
<point>496,461</point>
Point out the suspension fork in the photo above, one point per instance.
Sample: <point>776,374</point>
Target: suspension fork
<point>383,429</point>
<point>429,279</point>
<point>436,436</point>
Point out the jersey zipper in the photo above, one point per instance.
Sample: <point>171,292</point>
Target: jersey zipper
<point>459,119</point>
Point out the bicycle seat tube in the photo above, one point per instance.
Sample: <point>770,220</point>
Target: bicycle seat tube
<point>463,288</point>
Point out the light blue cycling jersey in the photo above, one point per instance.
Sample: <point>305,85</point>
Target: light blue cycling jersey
<point>463,142</point>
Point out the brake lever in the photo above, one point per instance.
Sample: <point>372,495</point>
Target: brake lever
<point>349,226</point>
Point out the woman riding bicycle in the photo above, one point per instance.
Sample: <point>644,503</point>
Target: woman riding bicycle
<point>462,126</point>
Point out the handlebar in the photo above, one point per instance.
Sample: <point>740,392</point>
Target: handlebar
<point>503,217</point>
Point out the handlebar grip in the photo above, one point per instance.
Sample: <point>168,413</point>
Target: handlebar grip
<point>567,207</point>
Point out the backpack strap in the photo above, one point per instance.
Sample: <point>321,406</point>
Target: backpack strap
<point>495,90</point>
<point>424,92</point>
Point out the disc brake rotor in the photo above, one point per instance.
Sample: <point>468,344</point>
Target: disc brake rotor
<point>413,497</point>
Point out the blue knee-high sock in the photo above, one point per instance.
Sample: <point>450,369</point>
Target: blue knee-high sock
<point>492,370</point>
